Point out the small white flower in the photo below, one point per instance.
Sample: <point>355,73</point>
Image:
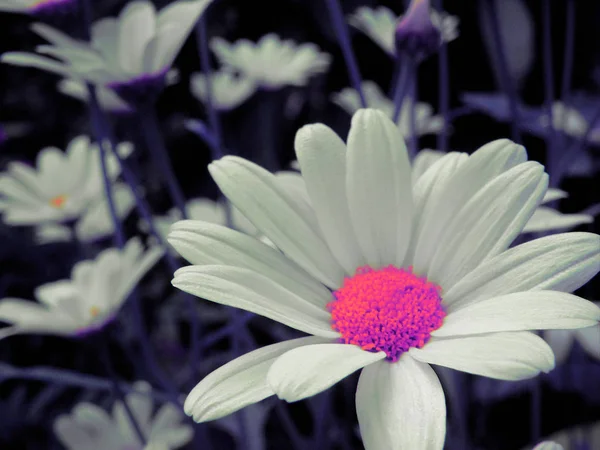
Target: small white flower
<point>543,219</point>
<point>271,62</point>
<point>228,90</point>
<point>565,119</point>
<point>562,341</point>
<point>61,187</point>
<point>95,223</point>
<point>108,99</point>
<point>90,427</point>
<point>387,277</point>
<point>425,122</point>
<point>139,45</point>
<point>380,25</point>
<point>86,302</point>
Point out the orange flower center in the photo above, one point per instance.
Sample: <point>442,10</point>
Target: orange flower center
<point>94,311</point>
<point>58,201</point>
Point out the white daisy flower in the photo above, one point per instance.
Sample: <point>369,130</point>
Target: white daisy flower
<point>562,341</point>
<point>349,100</point>
<point>90,427</point>
<point>108,99</point>
<point>38,7</point>
<point>95,223</point>
<point>379,24</point>
<point>62,186</point>
<point>138,47</point>
<point>228,91</point>
<point>386,276</point>
<point>271,62</point>
<point>86,302</point>
<point>543,219</point>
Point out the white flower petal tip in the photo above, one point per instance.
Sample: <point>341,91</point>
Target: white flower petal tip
<point>548,219</point>
<point>238,383</point>
<point>401,406</point>
<point>548,445</point>
<point>306,371</point>
<point>246,289</point>
<point>521,311</point>
<point>88,300</point>
<point>228,91</point>
<point>507,356</point>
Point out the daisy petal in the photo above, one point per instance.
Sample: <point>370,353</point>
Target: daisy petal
<point>554,194</point>
<point>561,342</point>
<point>482,166</point>
<point>548,445</point>
<point>379,188</point>
<point>205,243</point>
<point>255,192</point>
<point>238,383</point>
<point>505,356</point>
<point>589,339</point>
<point>521,311</point>
<point>548,219</point>
<point>423,161</point>
<point>488,223</point>
<point>245,289</point>
<point>562,262</point>
<point>401,406</point>
<point>322,156</point>
<point>33,317</point>
<point>306,371</point>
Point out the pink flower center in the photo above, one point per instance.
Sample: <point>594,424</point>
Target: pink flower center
<point>387,309</point>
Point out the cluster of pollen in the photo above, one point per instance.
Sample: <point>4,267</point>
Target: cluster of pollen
<point>58,201</point>
<point>387,309</point>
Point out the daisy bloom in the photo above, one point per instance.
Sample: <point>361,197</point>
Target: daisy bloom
<point>95,223</point>
<point>130,53</point>
<point>90,427</point>
<point>349,100</point>
<point>562,341</point>
<point>543,219</point>
<point>228,90</point>
<point>380,25</point>
<point>108,99</point>
<point>61,187</point>
<point>387,277</point>
<point>87,301</point>
<point>271,62</point>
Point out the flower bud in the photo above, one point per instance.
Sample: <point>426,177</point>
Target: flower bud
<point>416,35</point>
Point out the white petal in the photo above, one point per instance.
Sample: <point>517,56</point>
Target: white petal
<point>561,342</point>
<point>306,371</point>
<point>379,188</point>
<point>137,23</point>
<point>401,406</point>
<point>488,223</point>
<point>423,161</point>
<point>548,219</point>
<point>238,383</point>
<point>481,167</point>
<point>548,445</point>
<point>72,435</point>
<point>504,356</point>
<point>562,262</point>
<point>589,338</point>
<point>554,194</point>
<point>204,243</point>
<point>322,157</point>
<point>33,60</point>
<point>255,192</point>
<point>521,311</point>
<point>30,317</point>
<point>245,289</point>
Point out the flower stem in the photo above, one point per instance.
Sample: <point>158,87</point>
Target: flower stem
<point>536,410</point>
<point>341,31</point>
<point>155,143</point>
<point>568,54</point>
<point>548,84</point>
<point>110,370</point>
<point>444,90</point>
<point>402,85</point>
<point>491,15</point>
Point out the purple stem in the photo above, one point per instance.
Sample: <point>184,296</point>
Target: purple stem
<point>444,90</point>
<point>489,11</point>
<point>67,378</point>
<point>569,54</point>
<point>155,143</point>
<point>548,84</point>
<point>402,85</point>
<point>341,31</point>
